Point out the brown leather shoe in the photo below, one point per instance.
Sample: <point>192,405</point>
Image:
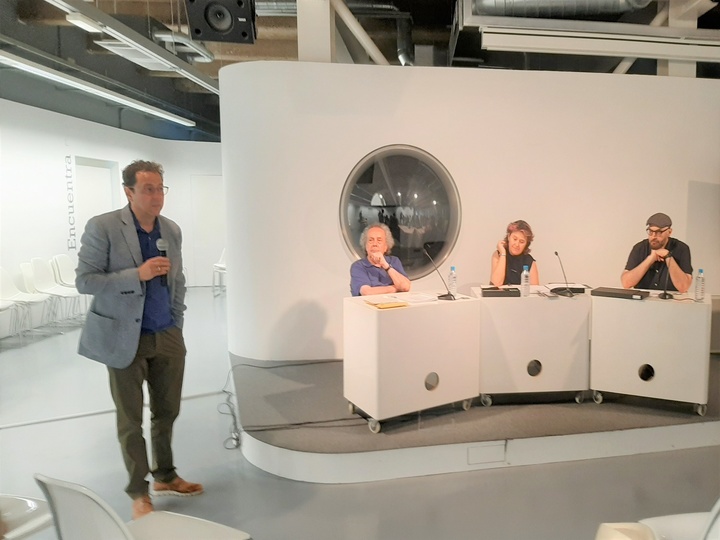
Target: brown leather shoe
<point>178,487</point>
<point>141,506</point>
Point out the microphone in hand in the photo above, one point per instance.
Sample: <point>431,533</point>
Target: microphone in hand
<point>162,246</point>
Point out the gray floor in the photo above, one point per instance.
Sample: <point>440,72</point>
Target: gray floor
<point>55,418</point>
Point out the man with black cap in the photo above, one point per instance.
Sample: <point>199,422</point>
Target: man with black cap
<point>660,262</point>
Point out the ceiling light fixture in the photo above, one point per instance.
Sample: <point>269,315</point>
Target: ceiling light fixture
<point>86,23</point>
<point>39,70</point>
<point>144,46</point>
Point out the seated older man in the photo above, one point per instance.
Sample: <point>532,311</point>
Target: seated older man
<point>379,272</point>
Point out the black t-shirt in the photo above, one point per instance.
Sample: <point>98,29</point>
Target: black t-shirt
<point>656,277</point>
<point>514,267</point>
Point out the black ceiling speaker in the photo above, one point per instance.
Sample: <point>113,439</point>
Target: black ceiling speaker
<point>232,21</point>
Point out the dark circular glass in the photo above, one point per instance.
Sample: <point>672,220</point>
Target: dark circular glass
<point>414,195</point>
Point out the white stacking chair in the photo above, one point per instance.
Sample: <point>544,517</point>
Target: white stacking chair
<point>219,271</point>
<point>43,280</point>
<point>23,516</point>
<point>80,514</point>
<point>64,270</point>
<point>692,526</point>
<point>24,302</point>
<point>10,307</point>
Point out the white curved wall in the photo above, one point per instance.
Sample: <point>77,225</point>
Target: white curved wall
<point>585,158</point>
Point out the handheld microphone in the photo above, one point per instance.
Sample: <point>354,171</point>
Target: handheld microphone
<point>666,295</point>
<point>162,246</point>
<point>449,295</point>
<point>563,292</point>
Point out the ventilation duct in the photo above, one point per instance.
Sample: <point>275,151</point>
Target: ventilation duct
<point>553,8</point>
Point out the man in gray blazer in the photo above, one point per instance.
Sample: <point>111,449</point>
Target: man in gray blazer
<point>134,325</point>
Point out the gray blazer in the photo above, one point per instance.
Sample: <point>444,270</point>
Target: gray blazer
<point>107,269</point>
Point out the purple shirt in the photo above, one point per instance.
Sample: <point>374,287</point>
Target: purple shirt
<point>362,273</point>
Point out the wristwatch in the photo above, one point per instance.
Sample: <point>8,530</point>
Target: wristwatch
<point>669,255</point>
<point>388,268</point>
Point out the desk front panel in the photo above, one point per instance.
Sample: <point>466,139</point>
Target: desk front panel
<point>388,354</point>
<point>672,337</point>
<point>520,335</point>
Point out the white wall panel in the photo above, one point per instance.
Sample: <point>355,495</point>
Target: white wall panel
<point>585,158</point>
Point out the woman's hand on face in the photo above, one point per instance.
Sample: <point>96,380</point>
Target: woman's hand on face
<point>502,247</point>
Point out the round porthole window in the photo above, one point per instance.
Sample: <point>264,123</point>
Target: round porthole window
<point>414,195</point>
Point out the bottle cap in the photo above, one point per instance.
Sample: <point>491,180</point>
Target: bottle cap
<point>452,269</point>
<point>525,267</point>
<point>700,271</point>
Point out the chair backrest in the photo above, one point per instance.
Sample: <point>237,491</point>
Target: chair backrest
<point>42,274</point>
<point>7,287</point>
<point>712,527</point>
<point>79,513</point>
<point>27,275</point>
<point>65,271</point>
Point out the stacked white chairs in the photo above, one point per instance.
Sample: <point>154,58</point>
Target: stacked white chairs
<point>64,271</point>
<point>10,307</point>
<point>24,303</point>
<point>218,278</point>
<point>79,514</point>
<point>22,517</point>
<point>68,297</point>
<point>692,526</point>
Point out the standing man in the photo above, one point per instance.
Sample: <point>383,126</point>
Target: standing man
<point>134,325</point>
<point>660,261</point>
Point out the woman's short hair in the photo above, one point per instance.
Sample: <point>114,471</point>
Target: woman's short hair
<point>389,240</point>
<point>523,227</point>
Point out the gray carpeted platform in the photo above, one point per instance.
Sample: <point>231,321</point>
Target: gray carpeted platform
<point>301,407</point>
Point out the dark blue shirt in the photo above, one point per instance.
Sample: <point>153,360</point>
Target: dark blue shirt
<point>156,315</point>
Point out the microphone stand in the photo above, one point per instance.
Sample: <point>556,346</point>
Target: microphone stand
<point>567,292</point>
<point>448,295</point>
<point>666,295</point>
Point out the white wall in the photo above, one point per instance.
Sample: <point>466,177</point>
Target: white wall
<point>584,158</point>
<point>38,148</point>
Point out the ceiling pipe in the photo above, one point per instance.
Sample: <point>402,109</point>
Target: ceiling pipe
<point>359,32</point>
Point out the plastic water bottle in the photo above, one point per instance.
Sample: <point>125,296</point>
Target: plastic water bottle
<point>700,286</point>
<point>525,281</point>
<point>452,281</point>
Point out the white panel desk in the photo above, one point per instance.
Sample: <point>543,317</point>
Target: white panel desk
<point>651,348</point>
<point>534,344</point>
<point>389,354</point>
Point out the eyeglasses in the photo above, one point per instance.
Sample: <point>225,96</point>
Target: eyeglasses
<point>152,190</point>
<point>656,232</point>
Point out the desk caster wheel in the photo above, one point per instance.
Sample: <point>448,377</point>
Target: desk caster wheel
<point>579,397</point>
<point>351,408</point>
<point>374,425</point>
<point>486,400</point>
<point>700,409</point>
<point>466,404</point>
<point>597,397</point>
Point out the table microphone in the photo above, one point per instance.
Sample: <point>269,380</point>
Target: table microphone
<point>666,295</point>
<point>566,292</point>
<point>162,246</point>
<point>449,295</point>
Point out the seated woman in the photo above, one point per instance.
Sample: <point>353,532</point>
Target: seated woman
<point>379,272</point>
<point>512,253</point>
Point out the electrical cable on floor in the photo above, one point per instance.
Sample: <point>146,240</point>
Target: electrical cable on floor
<point>233,441</point>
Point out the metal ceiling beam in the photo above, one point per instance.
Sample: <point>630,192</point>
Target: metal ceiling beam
<point>121,32</point>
